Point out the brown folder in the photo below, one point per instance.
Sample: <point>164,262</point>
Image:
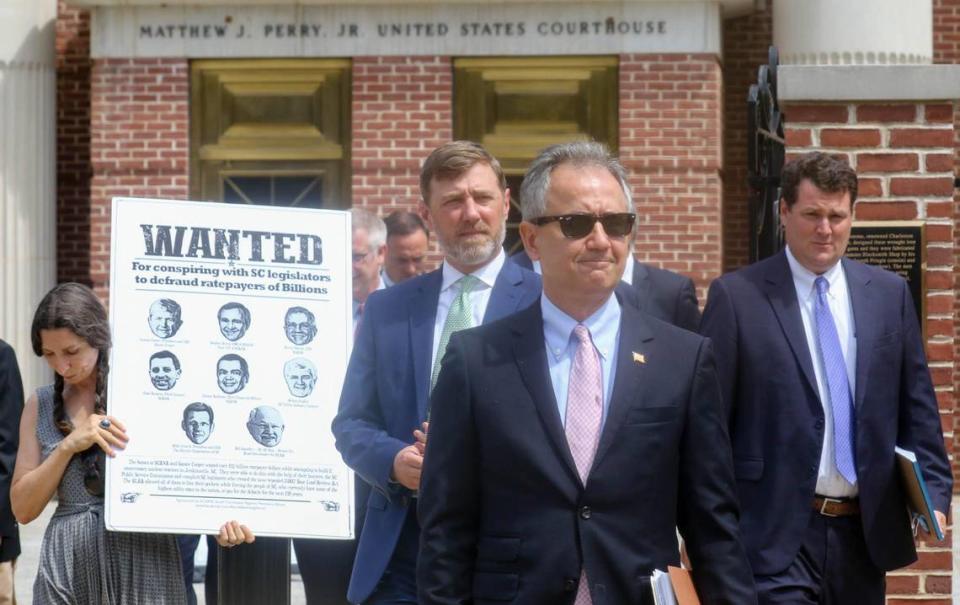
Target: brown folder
<point>683,586</point>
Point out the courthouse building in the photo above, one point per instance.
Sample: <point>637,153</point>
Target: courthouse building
<point>335,103</point>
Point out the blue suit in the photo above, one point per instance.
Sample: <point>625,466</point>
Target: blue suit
<point>385,396</point>
<point>776,418</point>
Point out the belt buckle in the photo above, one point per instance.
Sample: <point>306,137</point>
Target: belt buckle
<point>823,507</point>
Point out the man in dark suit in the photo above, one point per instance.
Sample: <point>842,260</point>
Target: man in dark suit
<point>664,294</point>
<point>11,406</point>
<point>400,343</point>
<point>569,440</point>
<point>823,373</point>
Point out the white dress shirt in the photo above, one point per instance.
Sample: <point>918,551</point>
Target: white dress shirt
<point>829,480</point>
<point>479,296</point>
<point>356,306</point>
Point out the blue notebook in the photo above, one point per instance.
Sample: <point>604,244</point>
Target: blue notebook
<point>918,497</point>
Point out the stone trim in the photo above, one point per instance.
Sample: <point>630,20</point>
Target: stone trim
<point>868,82</point>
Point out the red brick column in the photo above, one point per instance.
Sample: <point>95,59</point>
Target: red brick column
<point>670,142</point>
<point>73,144</point>
<point>402,109</point>
<point>903,154</point>
<point>139,142</point>
<point>746,40</point>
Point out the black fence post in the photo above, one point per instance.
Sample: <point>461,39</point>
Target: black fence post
<point>765,156</point>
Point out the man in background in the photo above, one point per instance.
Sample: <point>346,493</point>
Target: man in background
<point>823,373</point>
<point>407,242</point>
<point>369,247</point>
<point>400,344</point>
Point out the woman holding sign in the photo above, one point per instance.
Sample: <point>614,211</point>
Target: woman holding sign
<point>65,435</point>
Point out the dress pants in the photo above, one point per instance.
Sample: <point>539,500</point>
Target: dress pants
<point>833,567</point>
<point>398,586</point>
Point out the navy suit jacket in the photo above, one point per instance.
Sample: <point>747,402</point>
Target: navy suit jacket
<point>664,294</point>
<point>504,513</point>
<point>384,398</point>
<point>776,418</point>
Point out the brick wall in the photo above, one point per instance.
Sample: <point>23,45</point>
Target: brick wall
<point>139,142</point>
<point>903,154</point>
<point>402,109</point>
<point>73,144</point>
<point>670,131</point>
<point>745,43</point>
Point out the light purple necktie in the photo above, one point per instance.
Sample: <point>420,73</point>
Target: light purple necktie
<point>838,384</point>
<point>584,414</point>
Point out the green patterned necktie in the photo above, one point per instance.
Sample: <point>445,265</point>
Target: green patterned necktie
<point>459,318</point>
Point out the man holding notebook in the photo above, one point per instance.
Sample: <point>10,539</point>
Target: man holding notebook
<point>823,373</point>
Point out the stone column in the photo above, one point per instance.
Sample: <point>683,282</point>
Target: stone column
<point>27,172</point>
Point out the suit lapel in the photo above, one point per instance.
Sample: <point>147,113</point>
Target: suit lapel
<point>858,282</point>
<point>628,388</point>
<point>423,316</point>
<point>505,296</point>
<point>783,298</point>
<point>531,356</point>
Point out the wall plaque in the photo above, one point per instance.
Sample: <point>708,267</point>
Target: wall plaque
<point>897,246</point>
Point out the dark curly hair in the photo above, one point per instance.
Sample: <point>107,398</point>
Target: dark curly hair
<point>75,307</point>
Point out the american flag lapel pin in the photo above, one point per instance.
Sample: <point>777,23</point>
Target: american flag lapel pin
<point>639,358</point>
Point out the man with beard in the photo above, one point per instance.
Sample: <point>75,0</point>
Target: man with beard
<point>299,325</point>
<point>265,425</point>
<point>164,370</point>
<point>232,373</point>
<point>234,320</point>
<point>300,375</point>
<point>197,422</point>
<point>164,317</point>
<point>399,348</point>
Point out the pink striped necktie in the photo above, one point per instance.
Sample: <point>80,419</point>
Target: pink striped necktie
<point>584,415</point>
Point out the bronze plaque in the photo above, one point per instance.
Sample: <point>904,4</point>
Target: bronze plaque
<point>897,246</point>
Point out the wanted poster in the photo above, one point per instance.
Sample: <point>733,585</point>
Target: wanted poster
<point>231,335</point>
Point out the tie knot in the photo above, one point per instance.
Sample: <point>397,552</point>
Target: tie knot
<point>822,285</point>
<point>467,283</point>
<point>583,334</point>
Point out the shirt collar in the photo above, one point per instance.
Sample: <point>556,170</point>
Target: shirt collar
<point>803,278</point>
<point>558,327</point>
<point>628,269</point>
<point>385,281</point>
<point>486,274</point>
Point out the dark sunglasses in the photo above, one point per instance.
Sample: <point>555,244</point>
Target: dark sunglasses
<point>92,461</point>
<point>576,226</point>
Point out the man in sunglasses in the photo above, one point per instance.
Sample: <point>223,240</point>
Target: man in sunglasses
<point>664,294</point>
<point>399,348</point>
<point>568,441</point>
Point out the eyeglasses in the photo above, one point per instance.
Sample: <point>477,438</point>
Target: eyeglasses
<point>92,461</point>
<point>577,226</point>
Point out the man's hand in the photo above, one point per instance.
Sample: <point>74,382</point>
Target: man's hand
<point>407,466</point>
<point>942,520</point>
<point>421,437</point>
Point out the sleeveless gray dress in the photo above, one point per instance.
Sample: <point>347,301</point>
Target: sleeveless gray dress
<point>83,564</point>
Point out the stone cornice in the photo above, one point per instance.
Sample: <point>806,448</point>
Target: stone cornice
<point>868,82</point>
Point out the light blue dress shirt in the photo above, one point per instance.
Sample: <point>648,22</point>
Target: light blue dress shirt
<point>604,326</point>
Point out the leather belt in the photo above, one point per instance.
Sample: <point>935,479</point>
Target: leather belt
<point>836,507</point>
